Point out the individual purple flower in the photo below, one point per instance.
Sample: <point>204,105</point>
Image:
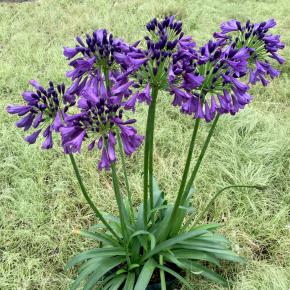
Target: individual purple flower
<point>229,26</point>
<point>261,45</point>
<point>44,110</point>
<point>99,120</point>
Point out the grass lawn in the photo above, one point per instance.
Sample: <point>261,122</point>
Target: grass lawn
<point>40,202</point>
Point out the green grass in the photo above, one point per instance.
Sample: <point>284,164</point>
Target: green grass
<point>40,202</point>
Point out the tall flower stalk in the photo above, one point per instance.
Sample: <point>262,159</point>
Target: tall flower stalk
<point>88,199</point>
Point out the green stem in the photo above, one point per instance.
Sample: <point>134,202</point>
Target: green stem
<point>107,79</point>
<point>153,105</point>
<point>199,160</point>
<point>121,207</point>
<point>217,195</point>
<point>88,199</point>
<point>185,174</point>
<point>147,156</point>
<point>179,218</point>
<point>125,173</point>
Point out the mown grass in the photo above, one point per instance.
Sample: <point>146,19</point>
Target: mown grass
<point>40,202</point>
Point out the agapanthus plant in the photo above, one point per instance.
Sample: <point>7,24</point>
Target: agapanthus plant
<point>157,239</point>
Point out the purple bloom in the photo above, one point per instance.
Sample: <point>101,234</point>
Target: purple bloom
<point>165,41</point>
<point>99,120</point>
<point>74,143</point>
<point>43,108</point>
<point>202,83</point>
<point>104,162</point>
<point>261,46</point>
<point>229,26</point>
<point>131,103</point>
<point>145,96</point>
<point>47,144</point>
<point>99,51</point>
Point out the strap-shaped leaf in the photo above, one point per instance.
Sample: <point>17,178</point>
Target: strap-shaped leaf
<point>163,246</point>
<point>198,269</point>
<point>130,281</point>
<point>194,255</point>
<point>176,275</point>
<point>140,219</point>
<point>99,252</point>
<point>116,282</point>
<point>100,237</point>
<point>100,267</point>
<point>142,232</point>
<point>158,195</point>
<point>145,275</point>
<point>209,227</point>
<point>196,243</point>
<point>230,256</point>
<point>219,253</point>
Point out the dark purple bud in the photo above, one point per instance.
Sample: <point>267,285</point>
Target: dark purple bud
<point>79,40</point>
<point>239,25</point>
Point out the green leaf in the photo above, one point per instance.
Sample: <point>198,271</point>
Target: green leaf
<point>101,252</point>
<point>114,222</point>
<point>142,232</point>
<point>198,243</point>
<point>130,281</point>
<point>160,229</point>
<point>158,195</point>
<point>145,275</point>
<point>100,237</point>
<point>198,269</point>
<point>194,255</point>
<point>218,252</point>
<point>207,227</point>
<point>172,242</point>
<point>117,282</point>
<point>133,266</point>
<point>100,267</point>
<point>187,209</point>
<point>230,256</point>
<point>140,219</point>
<point>176,275</point>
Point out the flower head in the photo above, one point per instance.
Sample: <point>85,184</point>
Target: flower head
<point>262,46</point>
<point>44,110</point>
<point>209,80</point>
<point>99,120</point>
<point>95,54</point>
<point>150,66</point>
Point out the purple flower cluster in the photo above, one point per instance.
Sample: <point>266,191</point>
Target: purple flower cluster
<point>99,120</point>
<point>97,53</point>
<point>44,110</point>
<point>212,79</point>
<point>149,67</point>
<point>261,45</point>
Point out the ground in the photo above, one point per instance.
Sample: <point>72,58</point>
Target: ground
<point>40,202</point>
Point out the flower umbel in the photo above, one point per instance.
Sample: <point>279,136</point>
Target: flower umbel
<point>44,111</point>
<point>262,46</point>
<point>99,121</point>
<point>96,54</point>
<point>149,67</point>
